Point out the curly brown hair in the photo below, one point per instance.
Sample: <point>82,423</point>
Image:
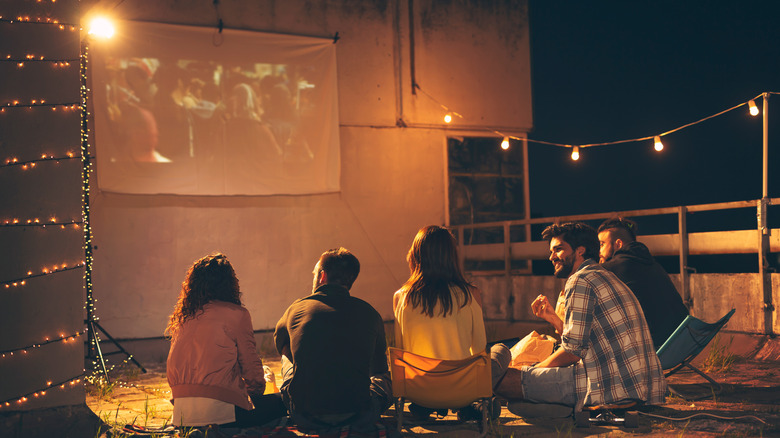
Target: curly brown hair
<point>210,278</point>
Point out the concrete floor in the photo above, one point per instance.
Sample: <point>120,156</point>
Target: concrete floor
<point>750,388</point>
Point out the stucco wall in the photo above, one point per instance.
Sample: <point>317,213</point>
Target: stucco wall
<point>473,56</point>
<point>35,307</point>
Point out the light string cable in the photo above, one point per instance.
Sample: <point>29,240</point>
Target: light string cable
<point>25,19</point>
<point>29,164</point>
<point>609,143</point>
<point>46,271</point>
<point>703,414</point>
<point>46,341</point>
<point>41,392</point>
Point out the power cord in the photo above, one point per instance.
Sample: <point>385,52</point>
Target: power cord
<point>703,414</point>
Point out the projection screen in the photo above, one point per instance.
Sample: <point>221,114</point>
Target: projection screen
<point>190,111</point>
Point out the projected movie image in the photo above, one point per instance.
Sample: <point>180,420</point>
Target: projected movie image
<point>211,126</point>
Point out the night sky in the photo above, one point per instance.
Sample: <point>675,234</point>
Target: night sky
<point>614,70</point>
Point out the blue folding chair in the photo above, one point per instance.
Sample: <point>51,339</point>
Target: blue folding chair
<point>687,341</point>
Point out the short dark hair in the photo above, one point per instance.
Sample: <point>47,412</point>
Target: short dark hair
<point>341,266</point>
<point>576,234</point>
<point>620,228</point>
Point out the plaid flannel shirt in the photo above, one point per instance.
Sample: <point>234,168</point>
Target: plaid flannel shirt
<point>604,325</point>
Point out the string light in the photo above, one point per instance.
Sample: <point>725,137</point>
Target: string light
<point>44,271</point>
<point>448,118</point>
<point>39,20</point>
<point>505,143</point>
<point>38,223</point>
<point>65,106</point>
<point>750,103</point>
<point>657,145</point>
<point>64,339</point>
<point>13,402</point>
<point>575,153</point>
<point>753,107</point>
<point>30,164</point>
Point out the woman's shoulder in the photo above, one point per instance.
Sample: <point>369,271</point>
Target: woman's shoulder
<point>224,306</point>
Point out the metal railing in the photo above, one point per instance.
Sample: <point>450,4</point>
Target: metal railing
<point>761,241</point>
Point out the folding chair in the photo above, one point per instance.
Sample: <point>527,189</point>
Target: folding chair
<point>440,384</point>
<point>685,343</point>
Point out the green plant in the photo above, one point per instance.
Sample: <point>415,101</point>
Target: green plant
<point>719,359</point>
<point>565,429</point>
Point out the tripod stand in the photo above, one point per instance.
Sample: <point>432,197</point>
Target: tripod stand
<point>94,351</point>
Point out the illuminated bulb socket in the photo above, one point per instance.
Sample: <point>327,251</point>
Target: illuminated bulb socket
<point>657,144</point>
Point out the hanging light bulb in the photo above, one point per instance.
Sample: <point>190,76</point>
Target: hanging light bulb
<point>575,153</point>
<point>505,143</point>
<point>447,118</point>
<point>753,107</point>
<point>657,143</point>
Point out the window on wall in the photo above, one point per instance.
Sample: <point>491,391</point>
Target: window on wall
<point>485,181</point>
<point>486,184</point>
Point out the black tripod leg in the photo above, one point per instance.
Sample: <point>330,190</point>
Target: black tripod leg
<point>130,356</point>
<point>95,343</point>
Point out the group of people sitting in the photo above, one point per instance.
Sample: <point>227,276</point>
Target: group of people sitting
<point>613,316</point>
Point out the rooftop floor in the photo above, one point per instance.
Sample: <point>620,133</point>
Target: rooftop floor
<point>751,390</point>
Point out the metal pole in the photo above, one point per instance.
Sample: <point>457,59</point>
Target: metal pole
<point>682,228</point>
<point>765,277</point>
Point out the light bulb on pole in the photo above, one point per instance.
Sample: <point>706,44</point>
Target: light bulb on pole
<point>753,107</point>
<point>575,153</point>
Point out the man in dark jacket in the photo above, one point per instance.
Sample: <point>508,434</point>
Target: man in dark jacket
<point>632,262</point>
<point>333,351</point>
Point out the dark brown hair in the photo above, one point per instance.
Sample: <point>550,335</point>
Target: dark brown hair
<point>620,228</point>
<point>433,262</point>
<point>576,234</point>
<point>341,266</point>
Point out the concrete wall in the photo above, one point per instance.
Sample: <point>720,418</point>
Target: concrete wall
<point>713,296</point>
<point>49,306</point>
<point>472,56</point>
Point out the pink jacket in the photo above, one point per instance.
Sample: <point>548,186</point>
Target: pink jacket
<point>214,355</point>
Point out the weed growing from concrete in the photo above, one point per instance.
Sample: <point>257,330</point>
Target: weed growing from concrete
<point>719,359</point>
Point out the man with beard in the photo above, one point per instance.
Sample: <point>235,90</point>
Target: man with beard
<point>633,264</point>
<point>606,354</point>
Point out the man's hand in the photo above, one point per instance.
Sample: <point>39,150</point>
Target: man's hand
<point>543,309</point>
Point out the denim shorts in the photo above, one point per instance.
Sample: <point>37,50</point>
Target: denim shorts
<point>549,385</point>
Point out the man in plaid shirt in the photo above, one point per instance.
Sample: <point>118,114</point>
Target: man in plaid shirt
<point>606,353</point>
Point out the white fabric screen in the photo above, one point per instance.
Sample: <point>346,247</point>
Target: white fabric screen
<point>186,110</point>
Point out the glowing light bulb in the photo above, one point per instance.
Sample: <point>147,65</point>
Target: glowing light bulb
<point>575,153</point>
<point>753,107</point>
<point>101,27</point>
<point>505,143</point>
<point>447,118</point>
<point>657,143</point>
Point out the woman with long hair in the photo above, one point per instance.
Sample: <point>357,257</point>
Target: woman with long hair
<point>438,313</point>
<point>213,369</point>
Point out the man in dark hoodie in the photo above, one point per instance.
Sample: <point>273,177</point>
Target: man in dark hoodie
<point>632,263</point>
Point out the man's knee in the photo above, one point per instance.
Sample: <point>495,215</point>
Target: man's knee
<point>511,387</point>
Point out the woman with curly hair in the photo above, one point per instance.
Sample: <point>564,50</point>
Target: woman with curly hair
<point>438,313</point>
<point>214,371</point>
